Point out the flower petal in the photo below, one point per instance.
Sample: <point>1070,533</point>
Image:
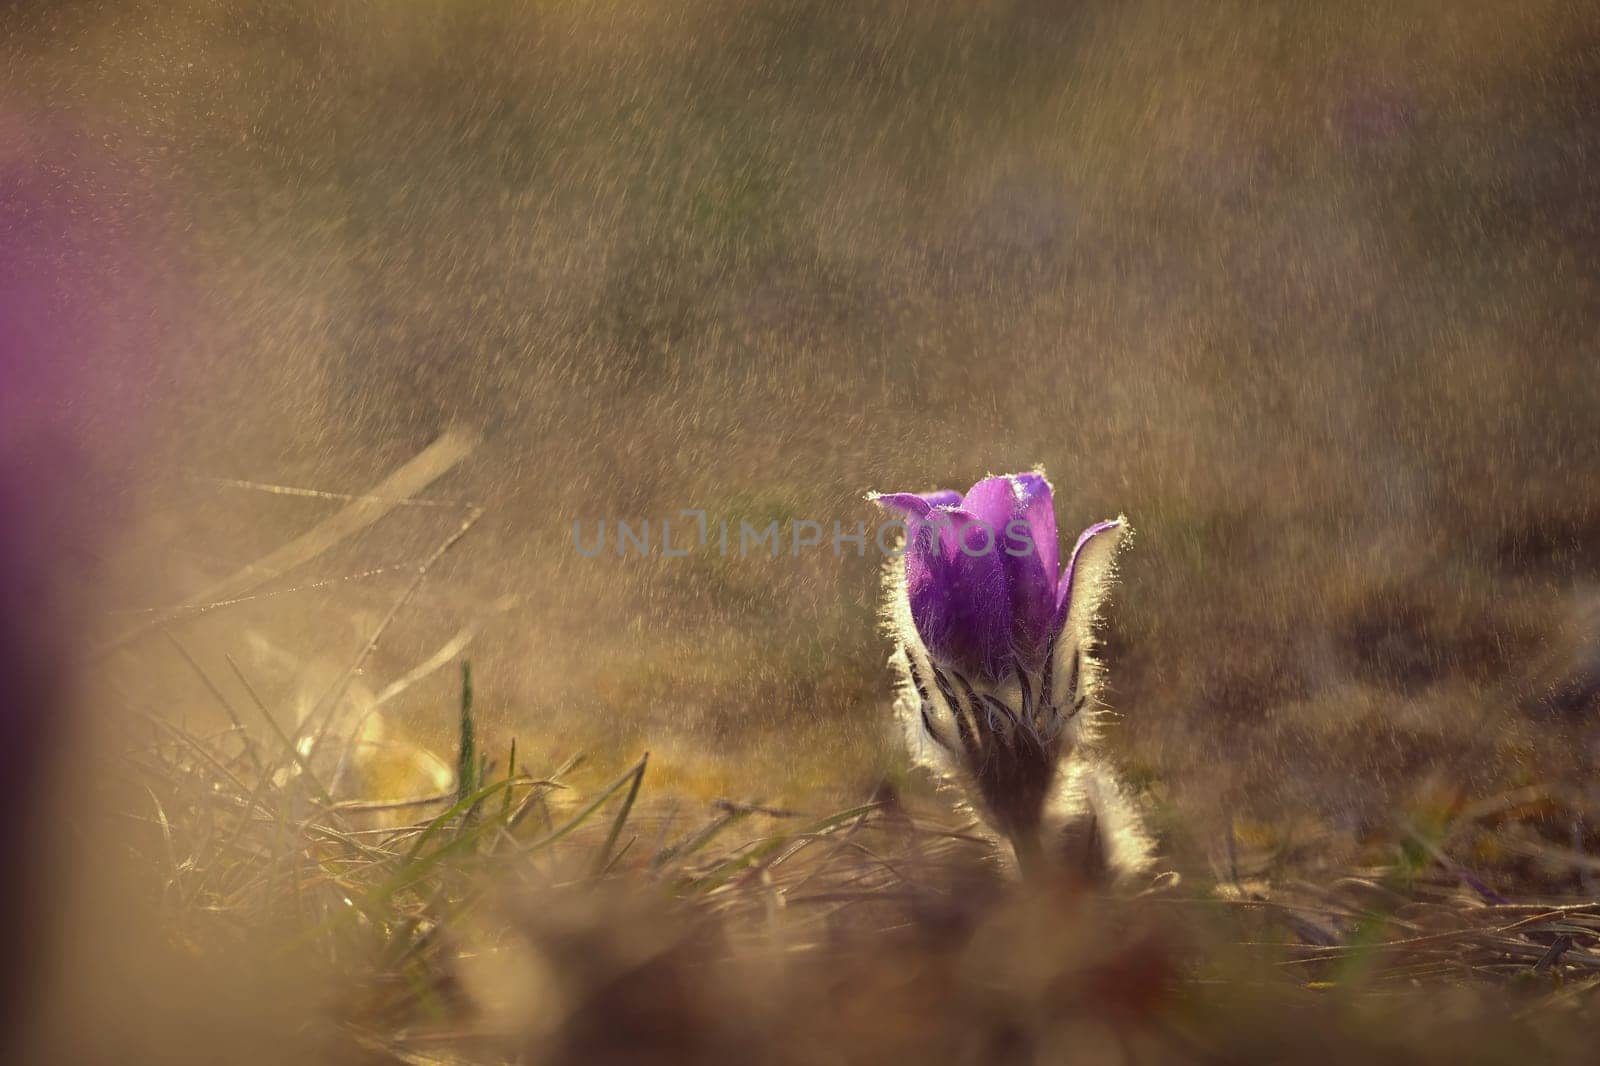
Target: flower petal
<point>1084,585</point>
<point>1090,562</point>
<point>959,598</point>
<point>1030,565</point>
<point>916,504</point>
<point>1039,511</point>
<point>991,501</point>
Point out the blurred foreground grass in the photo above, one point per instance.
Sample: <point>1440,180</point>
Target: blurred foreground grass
<point>526,920</point>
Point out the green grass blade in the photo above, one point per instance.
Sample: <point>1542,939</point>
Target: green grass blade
<point>467,750</point>
<point>582,816</point>
<point>602,858</point>
<point>511,775</point>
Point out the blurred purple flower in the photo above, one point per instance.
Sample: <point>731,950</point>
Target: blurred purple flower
<point>81,296</point>
<point>994,638</point>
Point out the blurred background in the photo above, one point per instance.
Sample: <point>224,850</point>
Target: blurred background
<point>1308,291</point>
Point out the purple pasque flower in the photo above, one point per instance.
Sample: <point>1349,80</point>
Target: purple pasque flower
<point>994,637</point>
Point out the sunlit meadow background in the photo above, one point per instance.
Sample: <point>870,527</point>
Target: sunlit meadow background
<point>1308,291</point>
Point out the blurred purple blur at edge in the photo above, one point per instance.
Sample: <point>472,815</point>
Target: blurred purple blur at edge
<point>76,332</point>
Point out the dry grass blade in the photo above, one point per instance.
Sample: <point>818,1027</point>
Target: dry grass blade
<point>432,463</point>
<point>320,719</point>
